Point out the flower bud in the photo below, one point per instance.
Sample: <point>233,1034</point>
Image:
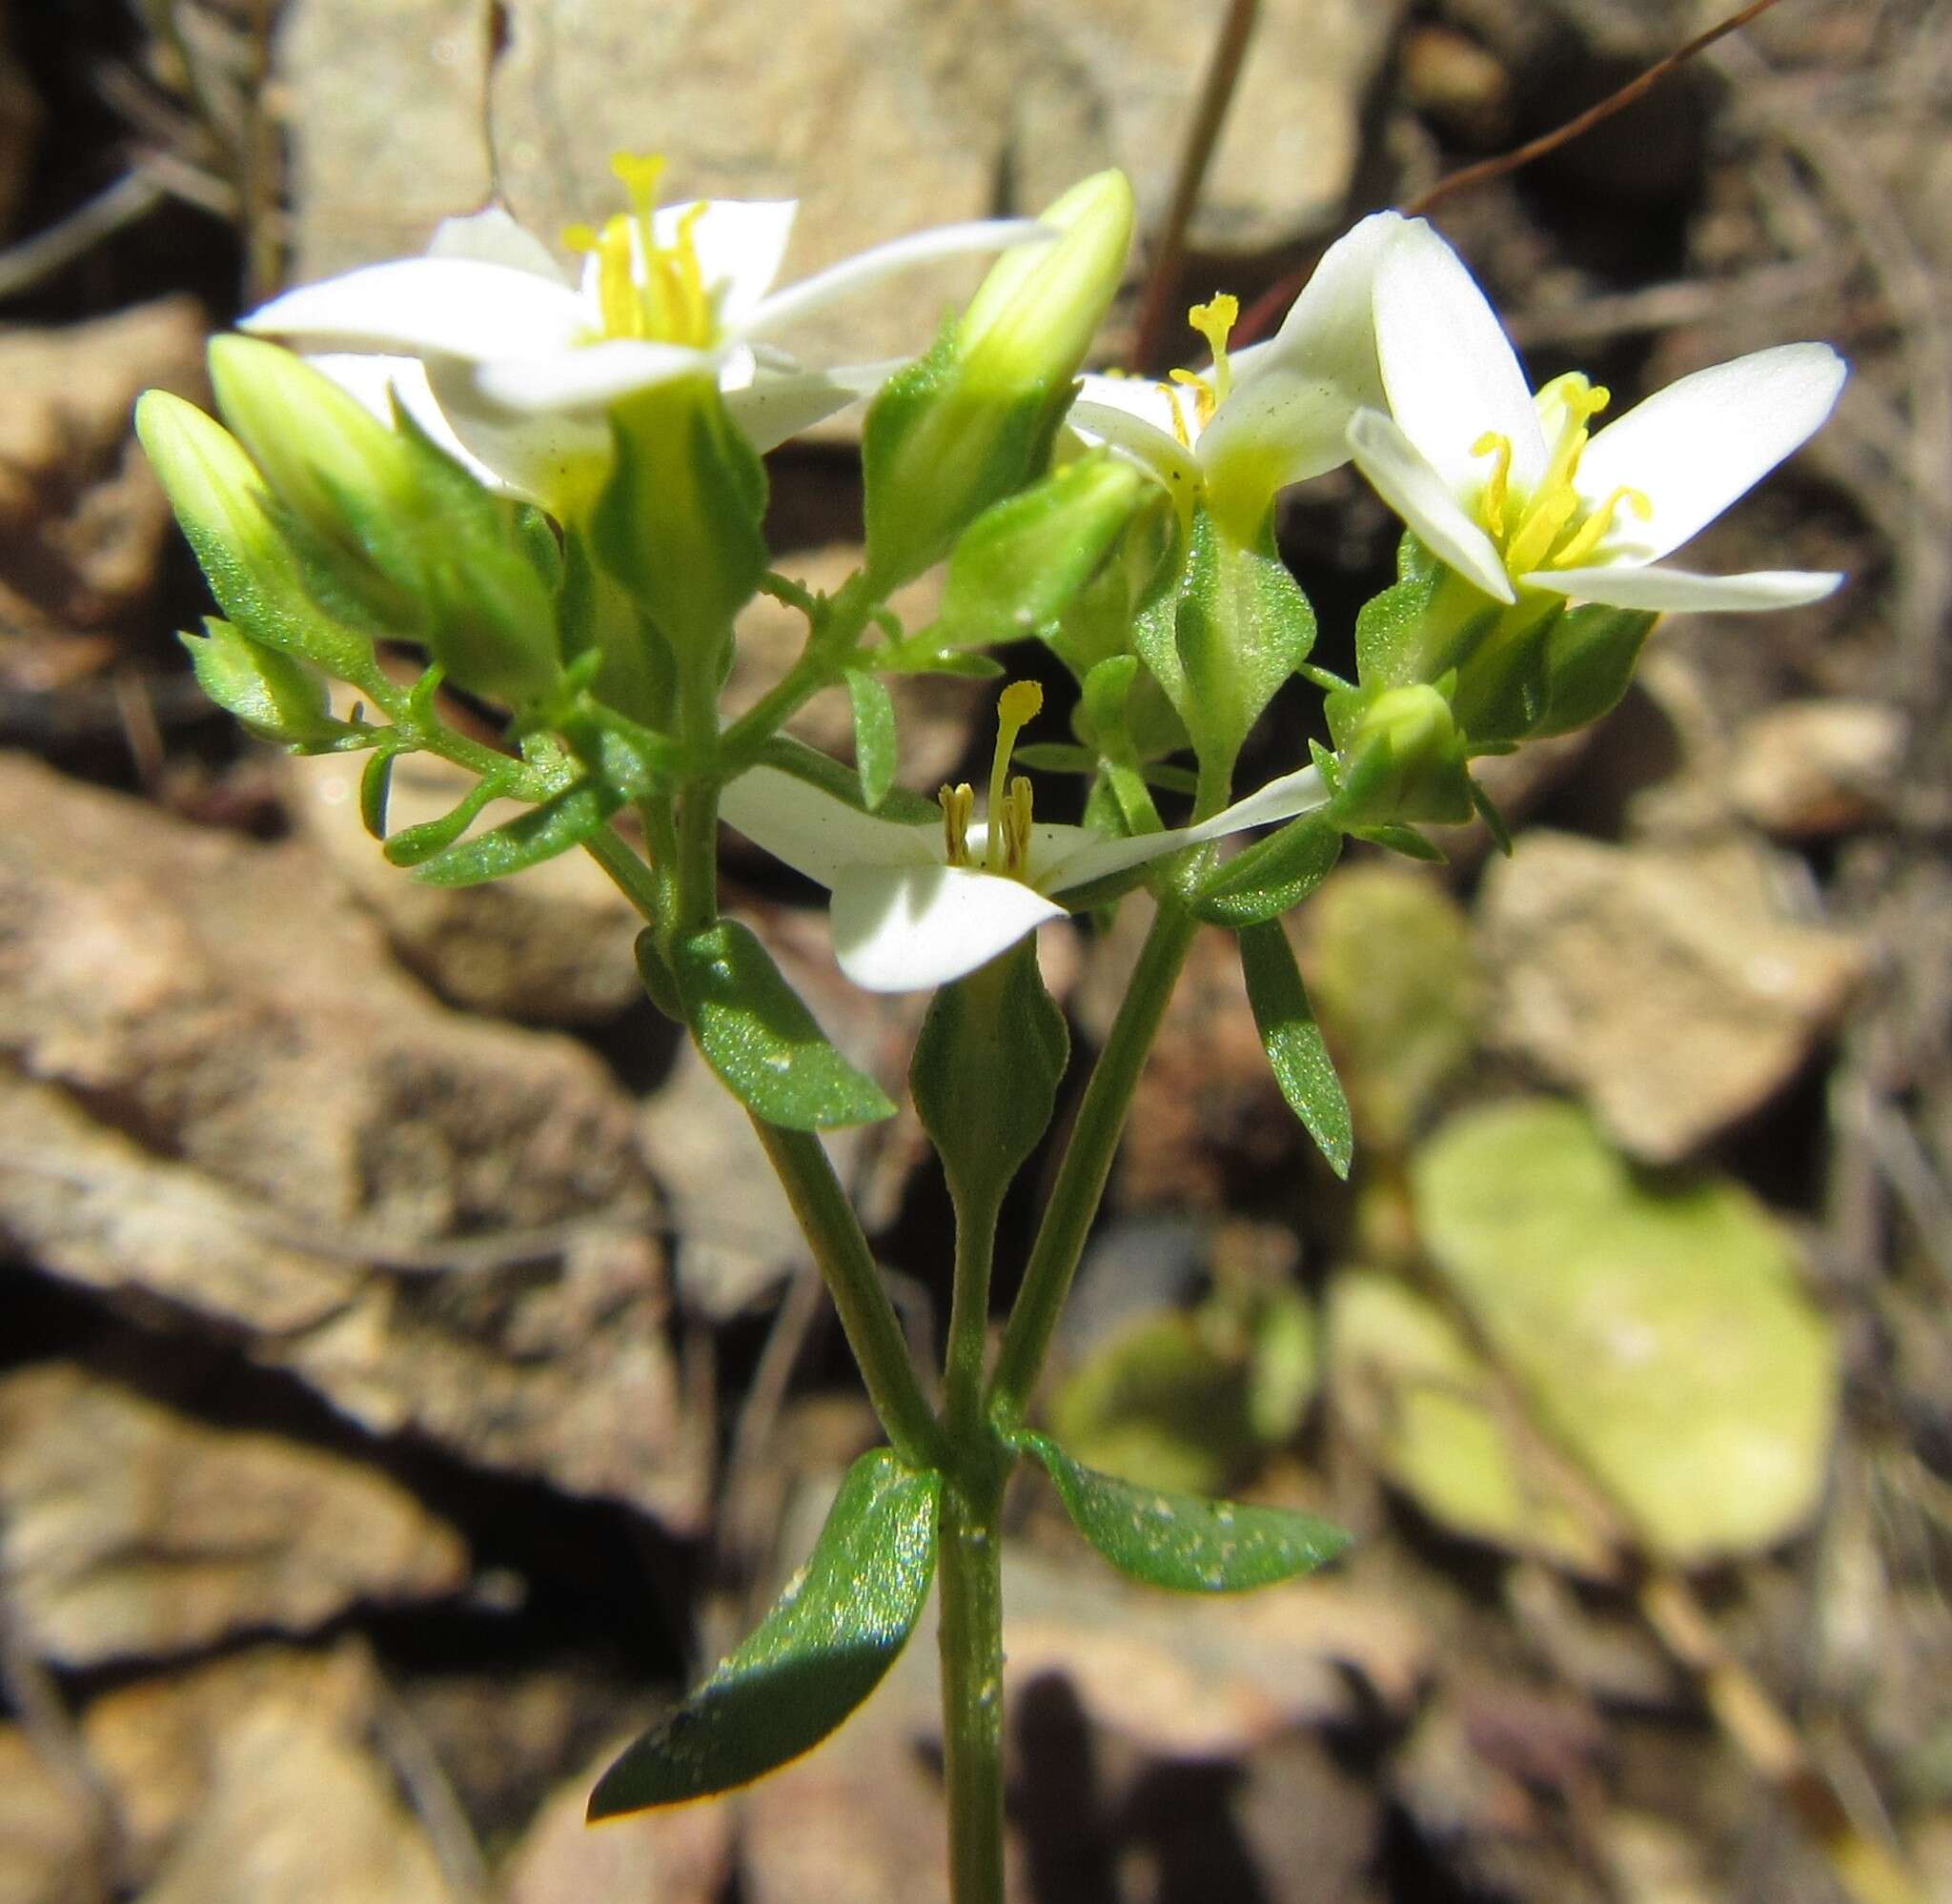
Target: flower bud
<point>1400,757</point>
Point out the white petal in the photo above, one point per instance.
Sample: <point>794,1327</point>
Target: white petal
<point>1097,858</point>
<point>1135,415</point>
<point>375,380</point>
<point>817,834</point>
<point>1693,448</point>
<point>1421,497</point>
<point>880,261</point>
<point>548,459</point>
<point>589,376</point>
<point>741,244</point>
<point>1292,396</point>
<point>1630,586</point>
<point>459,307</point>
<point>912,930</point>
<point>494,237</point>
<point>771,409</point>
<point>1446,364</point>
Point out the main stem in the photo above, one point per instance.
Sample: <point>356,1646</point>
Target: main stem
<point>970,1568</point>
<point>1086,1165</point>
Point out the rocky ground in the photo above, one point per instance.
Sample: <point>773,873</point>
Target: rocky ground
<point>407,1381</point>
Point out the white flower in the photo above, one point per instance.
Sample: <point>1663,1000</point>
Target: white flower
<point>916,906</point>
<point>1505,487</point>
<point>1262,417</point>
<point>493,349</point>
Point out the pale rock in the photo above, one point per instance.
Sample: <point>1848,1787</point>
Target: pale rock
<point>1670,990</point>
<point>47,1854</point>
<point>128,1529</point>
<point>1809,769</point>
<point>226,1096</point>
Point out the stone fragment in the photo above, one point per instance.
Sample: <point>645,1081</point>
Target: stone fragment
<point>1671,991</point>
<point>1809,769</point>
<point>225,1095</point>
<point>128,1529</point>
<point>47,1856</point>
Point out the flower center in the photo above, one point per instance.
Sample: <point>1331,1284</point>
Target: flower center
<point>645,289</point>
<point>1007,851</point>
<point>1214,322</point>
<point>1550,528</point>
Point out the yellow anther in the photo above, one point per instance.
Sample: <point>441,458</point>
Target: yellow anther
<point>1214,321</point>
<point>1540,528</point>
<point>1179,429</point>
<point>618,303</point>
<point>1205,399</point>
<point>958,807</point>
<point>1014,823</point>
<point>1498,485</point>
<point>1015,706</point>
<point>1590,532</point>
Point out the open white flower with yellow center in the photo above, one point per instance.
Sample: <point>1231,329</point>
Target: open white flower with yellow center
<point>1262,417</point>
<point>916,905</point>
<point>1515,492</point>
<point>493,348</point>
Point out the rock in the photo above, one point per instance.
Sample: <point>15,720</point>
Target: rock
<point>1464,90</point>
<point>280,1750</point>
<point>1669,990</point>
<point>128,1529</point>
<point>82,521</point>
<point>939,107</point>
<point>934,712</point>
<point>226,1097</point>
<point>46,1853</point>
<point>1807,770</point>
<point>683,1856</point>
<point>551,945</point>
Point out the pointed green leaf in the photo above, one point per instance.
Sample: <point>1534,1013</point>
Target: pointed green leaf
<point>376,791</point>
<point>874,736</point>
<point>1184,1541</point>
<point>274,694</point>
<point>1589,663</point>
<point>763,1041</point>
<point>414,845</point>
<point>1294,1041</point>
<point>824,1648</point>
<point>566,820</point>
<point>1272,875</point>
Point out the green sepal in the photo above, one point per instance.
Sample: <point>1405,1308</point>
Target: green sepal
<point>1293,1042</point>
<point>1239,627</point>
<point>756,1033</point>
<point>1404,839</point>
<point>1589,665</point>
<point>826,1646</point>
<point>988,1065</point>
<point>659,981</point>
<point>1022,563</point>
<point>563,820</point>
<point>416,845</point>
<point>376,791</point>
<point>1494,819</point>
<point>1185,1542</point>
<point>678,519</point>
<point>1272,875</point>
<point>874,736</point>
<point>272,694</point>
<point>828,774</point>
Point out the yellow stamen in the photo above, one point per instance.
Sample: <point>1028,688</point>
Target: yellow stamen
<point>1498,485</point>
<point>1016,828</point>
<point>958,807</point>
<point>1179,429</point>
<point>1015,708</point>
<point>1214,321</point>
<point>1540,528</point>
<point>645,289</point>
<point>1588,536</point>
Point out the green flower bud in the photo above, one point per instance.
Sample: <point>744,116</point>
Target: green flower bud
<point>969,424</point>
<point>222,506</point>
<point>1400,757</point>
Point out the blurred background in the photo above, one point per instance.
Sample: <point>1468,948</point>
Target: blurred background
<point>408,1377</point>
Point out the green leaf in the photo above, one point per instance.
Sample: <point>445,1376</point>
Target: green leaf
<point>564,821</point>
<point>1589,663</point>
<point>376,790</point>
<point>874,736</point>
<point>990,1056</point>
<point>1240,628</point>
<point>826,1646</point>
<point>414,845</point>
<point>274,694</point>
<point>1185,1542</point>
<point>1657,1327</point>
<point>759,1038</point>
<point>1270,876</point>
<point>1404,839</point>
<point>1294,1041</point>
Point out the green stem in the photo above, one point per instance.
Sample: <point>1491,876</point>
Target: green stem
<point>968,1322</point>
<point>837,627</point>
<point>636,880</point>
<point>969,1566</point>
<point>834,1234</point>
<point>1087,1156</point>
